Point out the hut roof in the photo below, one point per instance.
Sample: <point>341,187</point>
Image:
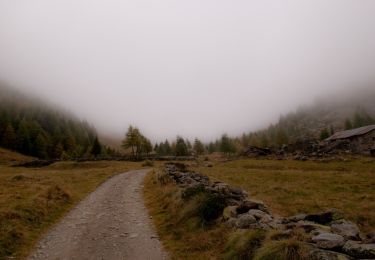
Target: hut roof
<point>353,132</point>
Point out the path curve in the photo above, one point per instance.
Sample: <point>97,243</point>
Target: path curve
<point>111,223</point>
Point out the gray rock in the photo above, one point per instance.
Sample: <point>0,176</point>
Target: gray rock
<point>297,218</point>
<point>245,220</point>
<point>261,216</point>
<point>319,254</point>
<point>347,229</point>
<point>357,250</point>
<point>328,241</point>
<point>370,238</point>
<point>251,204</point>
<point>310,227</point>
<point>232,222</point>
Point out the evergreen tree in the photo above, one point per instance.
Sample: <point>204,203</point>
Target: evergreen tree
<point>181,147</point>
<point>9,137</point>
<point>281,137</point>
<point>211,148</point>
<point>227,145</point>
<point>96,148</point>
<point>167,148</point>
<point>57,151</point>
<point>40,147</point>
<point>198,147</point>
<point>146,146</point>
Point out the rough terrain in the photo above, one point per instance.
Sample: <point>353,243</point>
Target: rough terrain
<point>111,223</point>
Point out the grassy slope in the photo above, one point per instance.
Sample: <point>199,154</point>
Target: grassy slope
<point>8,157</point>
<point>32,200</point>
<point>290,187</point>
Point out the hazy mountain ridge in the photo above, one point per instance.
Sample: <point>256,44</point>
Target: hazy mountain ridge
<point>326,115</point>
<point>33,127</point>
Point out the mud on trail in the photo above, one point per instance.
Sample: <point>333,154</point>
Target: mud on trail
<point>111,223</point>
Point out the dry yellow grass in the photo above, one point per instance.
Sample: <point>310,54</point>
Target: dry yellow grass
<point>32,200</point>
<point>290,187</point>
<point>180,232</point>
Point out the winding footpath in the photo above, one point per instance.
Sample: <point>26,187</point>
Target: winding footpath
<point>111,223</point>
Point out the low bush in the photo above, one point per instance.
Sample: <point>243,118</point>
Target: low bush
<point>192,191</point>
<point>211,208</point>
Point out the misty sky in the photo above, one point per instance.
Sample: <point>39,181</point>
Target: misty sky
<point>194,68</point>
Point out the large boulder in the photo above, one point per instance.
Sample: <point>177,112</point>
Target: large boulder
<point>319,254</point>
<point>370,238</point>
<point>309,227</point>
<point>345,228</point>
<point>296,218</point>
<point>260,216</point>
<point>247,205</point>
<point>358,250</point>
<point>245,221</point>
<point>328,241</point>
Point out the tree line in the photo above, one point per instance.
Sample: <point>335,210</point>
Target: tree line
<point>32,128</point>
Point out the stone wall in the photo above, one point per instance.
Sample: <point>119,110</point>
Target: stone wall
<point>330,236</point>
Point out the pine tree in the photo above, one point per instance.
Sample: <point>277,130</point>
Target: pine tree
<point>96,148</point>
<point>23,138</point>
<point>9,138</point>
<point>211,147</point>
<point>146,145</point>
<point>167,148</point>
<point>198,147</point>
<point>227,145</point>
<point>58,150</point>
<point>40,147</point>
<point>181,147</point>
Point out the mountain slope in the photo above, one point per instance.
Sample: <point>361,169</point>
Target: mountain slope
<point>31,127</point>
<point>317,121</point>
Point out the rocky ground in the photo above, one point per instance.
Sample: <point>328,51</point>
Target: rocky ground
<point>111,223</point>
<point>330,236</point>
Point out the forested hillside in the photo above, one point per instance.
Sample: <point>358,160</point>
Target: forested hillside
<point>34,128</point>
<point>318,121</point>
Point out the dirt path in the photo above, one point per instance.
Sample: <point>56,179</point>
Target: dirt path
<point>111,223</point>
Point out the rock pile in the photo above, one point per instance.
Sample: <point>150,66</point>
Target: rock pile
<point>330,236</point>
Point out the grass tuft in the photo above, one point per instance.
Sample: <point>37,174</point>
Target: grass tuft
<point>243,243</point>
<point>289,249</point>
<point>148,163</point>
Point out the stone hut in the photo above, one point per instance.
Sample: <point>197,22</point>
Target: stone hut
<point>359,141</point>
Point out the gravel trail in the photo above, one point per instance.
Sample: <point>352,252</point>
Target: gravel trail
<point>111,223</point>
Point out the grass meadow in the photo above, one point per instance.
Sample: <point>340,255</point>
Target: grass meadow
<point>32,200</point>
<point>289,187</point>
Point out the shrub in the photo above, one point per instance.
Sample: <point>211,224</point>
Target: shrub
<point>243,243</point>
<point>211,208</point>
<point>192,191</point>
